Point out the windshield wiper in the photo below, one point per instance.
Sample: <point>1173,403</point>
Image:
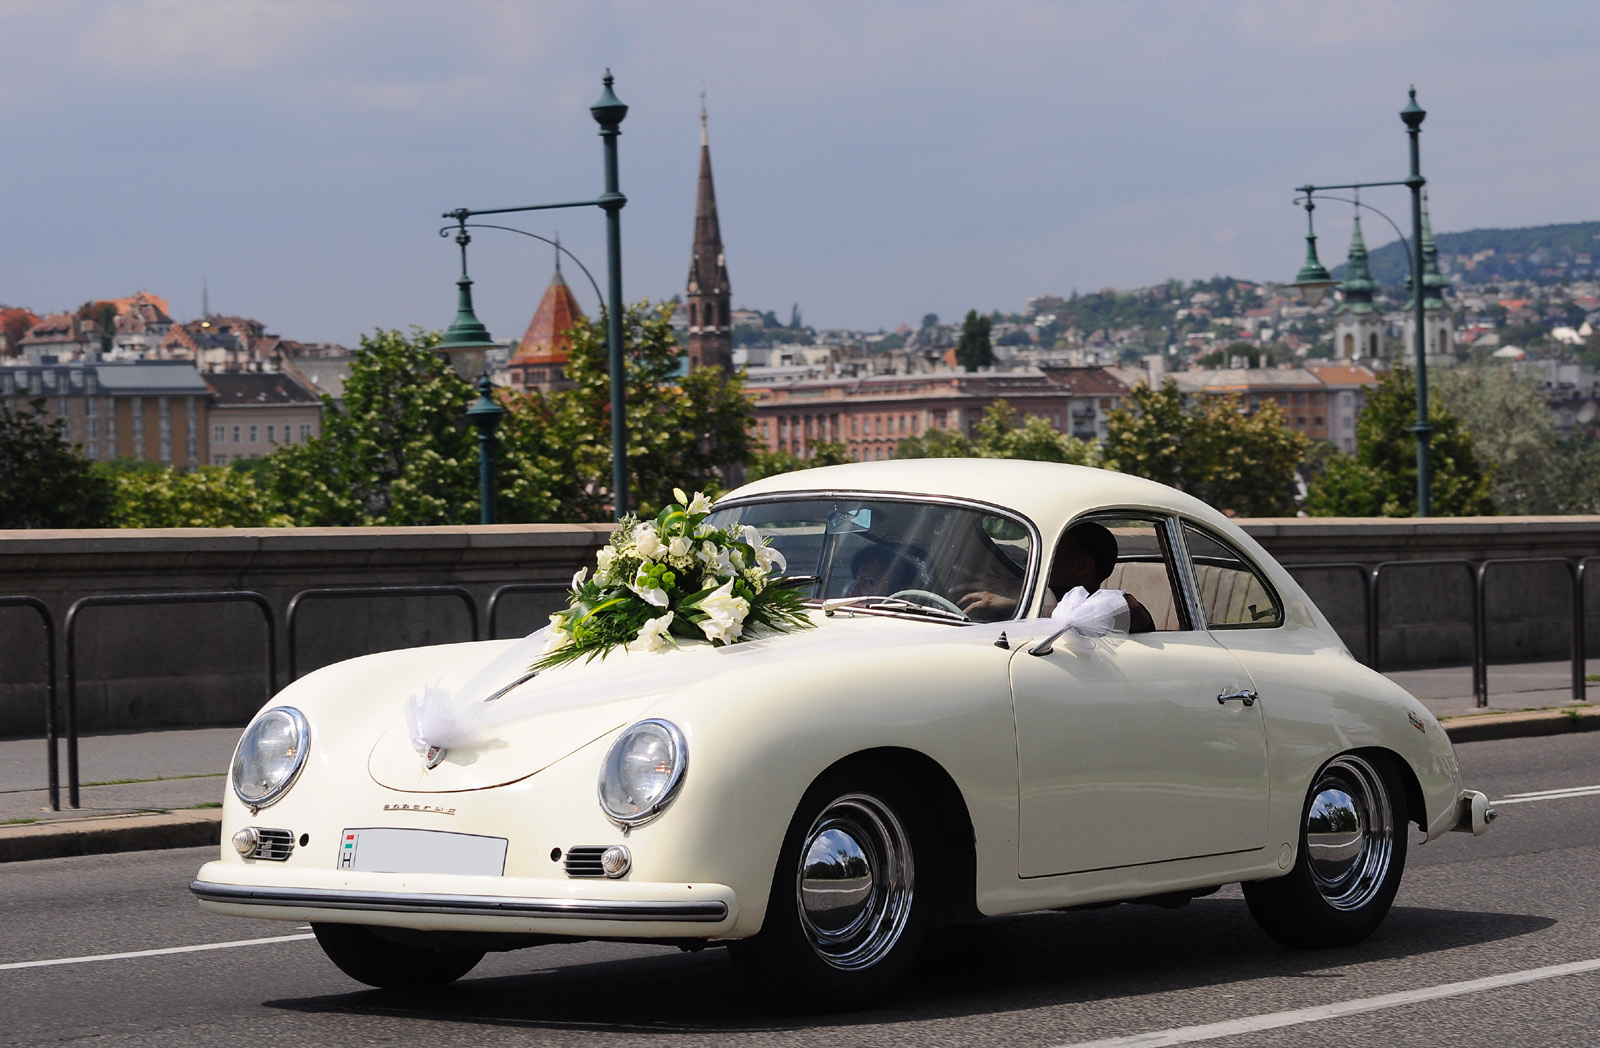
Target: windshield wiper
<point>896,604</point>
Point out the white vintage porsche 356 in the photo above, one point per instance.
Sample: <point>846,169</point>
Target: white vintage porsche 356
<point>836,709</point>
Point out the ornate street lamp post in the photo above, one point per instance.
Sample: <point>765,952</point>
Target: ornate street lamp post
<point>608,112</point>
<point>1313,281</point>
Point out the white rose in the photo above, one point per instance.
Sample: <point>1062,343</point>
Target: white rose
<point>680,546</point>
<point>653,635</point>
<point>648,543</point>
<point>724,614</point>
<point>604,559</point>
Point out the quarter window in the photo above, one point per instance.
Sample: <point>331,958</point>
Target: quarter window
<point>1233,593</point>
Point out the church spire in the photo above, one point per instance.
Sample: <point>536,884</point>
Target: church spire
<point>709,294</point>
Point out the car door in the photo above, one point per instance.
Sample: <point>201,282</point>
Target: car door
<point>1144,748</point>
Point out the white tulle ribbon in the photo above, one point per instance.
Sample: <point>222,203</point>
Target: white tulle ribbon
<point>1087,618</point>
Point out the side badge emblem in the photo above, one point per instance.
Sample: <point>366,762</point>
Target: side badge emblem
<point>1416,722</point>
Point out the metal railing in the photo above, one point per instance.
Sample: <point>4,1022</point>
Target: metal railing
<point>49,622</point>
<point>1478,574</point>
<point>358,592</point>
<point>493,605</point>
<point>115,600</point>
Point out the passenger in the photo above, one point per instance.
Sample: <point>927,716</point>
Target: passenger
<point>1084,557</point>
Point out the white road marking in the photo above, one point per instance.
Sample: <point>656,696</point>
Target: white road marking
<point>1277,1020</point>
<point>154,953</point>
<point>1550,795</point>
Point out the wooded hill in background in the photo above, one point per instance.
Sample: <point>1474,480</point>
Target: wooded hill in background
<point>1539,253</point>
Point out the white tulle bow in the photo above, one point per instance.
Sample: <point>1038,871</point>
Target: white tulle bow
<point>1088,617</point>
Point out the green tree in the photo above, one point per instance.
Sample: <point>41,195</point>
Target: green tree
<point>44,481</point>
<point>974,351</point>
<point>398,453</point>
<point>1002,433</point>
<point>210,497</point>
<point>1242,463</point>
<point>764,463</point>
<point>683,429</point>
<point>1380,479</point>
<point>1535,471</point>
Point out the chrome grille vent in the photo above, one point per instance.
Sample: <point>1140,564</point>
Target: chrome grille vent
<point>275,845</point>
<point>583,860</point>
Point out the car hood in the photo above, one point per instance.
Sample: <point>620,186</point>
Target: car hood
<point>561,710</point>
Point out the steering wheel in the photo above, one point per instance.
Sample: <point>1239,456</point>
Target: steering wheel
<point>922,596</point>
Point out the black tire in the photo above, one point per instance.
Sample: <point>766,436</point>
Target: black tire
<point>1352,853</point>
<point>847,913</point>
<point>369,957</point>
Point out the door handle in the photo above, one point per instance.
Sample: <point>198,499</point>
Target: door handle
<point>1244,695</point>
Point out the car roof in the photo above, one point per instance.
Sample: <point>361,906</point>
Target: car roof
<point>1048,493</point>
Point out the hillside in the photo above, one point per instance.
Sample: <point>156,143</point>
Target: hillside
<point>1481,256</point>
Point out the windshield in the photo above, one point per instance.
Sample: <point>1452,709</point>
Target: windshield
<point>954,558</point>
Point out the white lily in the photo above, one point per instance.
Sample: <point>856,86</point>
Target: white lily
<point>578,577</point>
<point>699,504</point>
<point>771,560</point>
<point>677,493</point>
<point>724,614</point>
<point>604,560</point>
<point>653,635</point>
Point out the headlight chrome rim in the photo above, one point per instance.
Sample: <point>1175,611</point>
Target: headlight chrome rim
<point>302,729</point>
<point>680,764</point>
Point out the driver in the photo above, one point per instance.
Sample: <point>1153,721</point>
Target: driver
<point>880,570</point>
<point>1084,557</point>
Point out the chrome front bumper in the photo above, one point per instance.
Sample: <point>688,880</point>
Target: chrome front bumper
<point>583,909</point>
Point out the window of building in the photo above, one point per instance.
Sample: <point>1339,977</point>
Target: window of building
<point>92,428</point>
<point>305,432</point>
<point>91,407</point>
<point>191,427</point>
<point>164,406</point>
<point>220,460</point>
<point>219,434</point>
<point>255,432</point>
<point>166,452</point>
<point>236,437</point>
<point>271,437</point>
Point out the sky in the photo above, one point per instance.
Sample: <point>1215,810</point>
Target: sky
<point>874,161</point>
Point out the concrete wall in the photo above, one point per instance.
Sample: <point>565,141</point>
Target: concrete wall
<point>205,664</point>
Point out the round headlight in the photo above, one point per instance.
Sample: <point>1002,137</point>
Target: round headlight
<point>642,770</point>
<point>270,755</point>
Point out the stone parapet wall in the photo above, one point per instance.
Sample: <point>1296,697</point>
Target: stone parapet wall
<point>204,664</point>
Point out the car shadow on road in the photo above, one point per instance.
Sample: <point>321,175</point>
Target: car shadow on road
<point>1007,964</point>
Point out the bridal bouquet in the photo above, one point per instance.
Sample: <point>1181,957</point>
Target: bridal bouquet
<point>669,579</point>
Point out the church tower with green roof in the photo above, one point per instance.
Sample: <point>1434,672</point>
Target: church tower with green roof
<point>1435,311</point>
<point>1357,323</point>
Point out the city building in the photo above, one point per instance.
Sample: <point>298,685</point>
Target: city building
<point>709,297</point>
<point>253,413</point>
<point>151,410</point>
<point>540,359</point>
<point>1320,401</point>
<point>872,415</point>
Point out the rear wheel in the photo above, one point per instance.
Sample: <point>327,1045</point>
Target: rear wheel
<point>1352,853</point>
<point>368,956</point>
<point>846,915</point>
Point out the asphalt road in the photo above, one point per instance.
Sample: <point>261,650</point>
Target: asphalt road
<point>1510,904</point>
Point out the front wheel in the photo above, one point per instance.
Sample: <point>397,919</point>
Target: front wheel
<point>846,915</point>
<point>1352,852</point>
<point>369,957</point>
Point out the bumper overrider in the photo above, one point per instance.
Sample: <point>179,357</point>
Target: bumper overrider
<point>437,902</point>
<point>1473,814</point>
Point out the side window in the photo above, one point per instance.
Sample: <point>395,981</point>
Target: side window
<point>1233,595</point>
<point>1144,570</point>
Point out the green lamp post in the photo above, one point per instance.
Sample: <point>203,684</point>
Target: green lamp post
<point>466,344</point>
<point>1313,282</point>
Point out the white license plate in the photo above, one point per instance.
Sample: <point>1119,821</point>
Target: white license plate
<point>385,849</point>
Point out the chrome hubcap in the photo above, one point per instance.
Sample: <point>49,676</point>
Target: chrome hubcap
<point>1349,833</point>
<point>854,884</point>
